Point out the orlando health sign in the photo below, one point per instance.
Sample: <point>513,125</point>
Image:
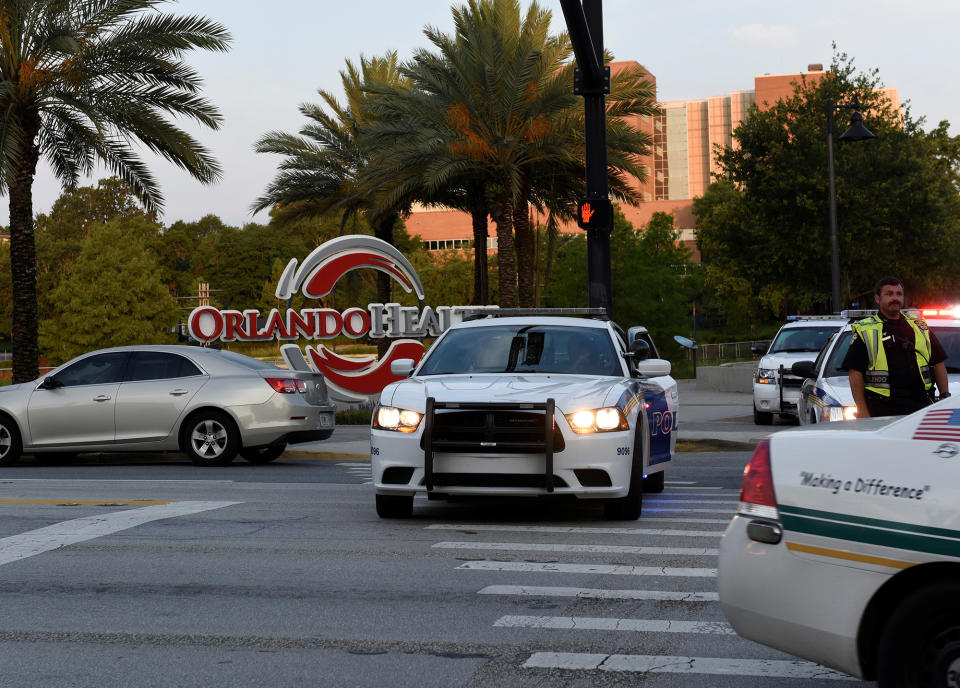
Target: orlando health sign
<point>349,379</point>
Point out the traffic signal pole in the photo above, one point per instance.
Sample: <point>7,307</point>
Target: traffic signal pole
<point>592,81</point>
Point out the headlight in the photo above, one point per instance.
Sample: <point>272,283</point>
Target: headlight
<point>607,419</point>
<point>835,413</point>
<point>766,376</point>
<point>397,419</point>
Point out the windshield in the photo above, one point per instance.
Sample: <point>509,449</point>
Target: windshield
<point>802,338</point>
<point>839,353</point>
<point>524,349</point>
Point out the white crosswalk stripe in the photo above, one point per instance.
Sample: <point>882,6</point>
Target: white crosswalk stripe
<point>673,514</point>
<point>587,623</point>
<point>683,665</point>
<point>599,593</point>
<point>589,549</point>
<point>361,469</point>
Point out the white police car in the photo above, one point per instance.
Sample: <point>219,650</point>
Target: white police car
<point>775,388</point>
<point>526,405</point>
<point>825,394</point>
<point>846,547</point>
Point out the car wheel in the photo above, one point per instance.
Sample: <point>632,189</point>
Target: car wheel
<point>920,644</point>
<point>264,454</point>
<point>10,445</point>
<point>211,438</point>
<point>394,506</point>
<point>653,484</point>
<point>628,508</point>
<point>761,417</point>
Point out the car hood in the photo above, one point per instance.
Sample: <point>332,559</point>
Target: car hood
<point>570,392</point>
<point>786,359</point>
<point>20,387</point>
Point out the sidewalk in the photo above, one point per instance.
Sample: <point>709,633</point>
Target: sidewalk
<point>703,415</point>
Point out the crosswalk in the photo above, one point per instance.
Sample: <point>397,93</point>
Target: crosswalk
<point>358,469</point>
<point>673,579</point>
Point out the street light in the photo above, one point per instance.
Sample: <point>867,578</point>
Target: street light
<point>855,132</point>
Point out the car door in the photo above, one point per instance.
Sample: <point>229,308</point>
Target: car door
<point>157,388</point>
<point>79,411</point>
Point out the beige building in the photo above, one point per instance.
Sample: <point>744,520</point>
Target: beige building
<point>681,164</point>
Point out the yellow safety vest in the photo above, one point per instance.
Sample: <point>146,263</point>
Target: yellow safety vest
<point>877,376</point>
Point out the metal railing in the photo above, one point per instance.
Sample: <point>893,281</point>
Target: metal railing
<point>729,351</point>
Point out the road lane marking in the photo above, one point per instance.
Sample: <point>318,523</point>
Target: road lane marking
<point>610,569</point>
<point>592,623</point>
<point>586,549</point>
<point>672,519</point>
<point>773,668</point>
<point>599,594</point>
<point>687,510</point>
<point>576,529</point>
<point>91,502</point>
<point>31,543</point>
<point>661,502</point>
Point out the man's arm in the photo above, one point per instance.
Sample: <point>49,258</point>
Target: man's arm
<point>940,377</point>
<point>859,393</point>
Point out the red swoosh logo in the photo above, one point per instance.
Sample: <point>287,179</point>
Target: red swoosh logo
<point>341,363</point>
<point>323,280</point>
<point>373,378</point>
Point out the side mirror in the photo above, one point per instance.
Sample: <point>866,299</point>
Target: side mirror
<point>402,367</point>
<point>759,348</point>
<point>49,382</point>
<point>803,369</point>
<point>639,349</point>
<point>653,367</point>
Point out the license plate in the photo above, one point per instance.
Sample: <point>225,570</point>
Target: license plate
<point>325,421</point>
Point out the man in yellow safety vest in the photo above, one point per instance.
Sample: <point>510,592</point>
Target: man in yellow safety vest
<point>894,358</point>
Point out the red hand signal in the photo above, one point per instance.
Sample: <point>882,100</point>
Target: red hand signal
<point>586,213</point>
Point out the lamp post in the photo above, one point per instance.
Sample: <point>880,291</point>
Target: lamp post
<point>855,132</point>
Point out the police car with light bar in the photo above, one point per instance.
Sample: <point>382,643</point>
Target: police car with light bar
<point>523,402</point>
<point>845,549</point>
<point>825,394</point>
<point>775,388</point>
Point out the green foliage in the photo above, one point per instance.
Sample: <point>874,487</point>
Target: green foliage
<point>763,228</point>
<point>111,295</point>
<point>652,277</point>
<point>354,417</point>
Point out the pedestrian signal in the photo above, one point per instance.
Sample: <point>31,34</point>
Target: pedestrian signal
<point>594,212</point>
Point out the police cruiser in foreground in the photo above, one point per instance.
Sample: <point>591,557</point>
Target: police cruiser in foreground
<point>530,405</point>
<point>846,547</point>
<point>775,388</point>
<point>825,395</point>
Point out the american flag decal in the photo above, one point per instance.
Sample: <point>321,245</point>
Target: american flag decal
<point>942,425</point>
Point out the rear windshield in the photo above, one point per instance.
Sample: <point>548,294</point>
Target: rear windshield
<point>245,361</point>
<point>802,338</point>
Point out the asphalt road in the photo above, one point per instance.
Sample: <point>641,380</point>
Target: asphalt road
<point>158,573</point>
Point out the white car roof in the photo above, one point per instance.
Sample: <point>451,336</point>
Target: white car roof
<point>813,322</point>
<point>534,320</point>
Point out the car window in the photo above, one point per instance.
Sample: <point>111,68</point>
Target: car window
<point>823,352</point>
<point>159,365</point>
<point>245,361</point>
<point>839,353</point>
<point>524,349</point>
<point>99,369</point>
<point>949,338</point>
<point>802,338</point>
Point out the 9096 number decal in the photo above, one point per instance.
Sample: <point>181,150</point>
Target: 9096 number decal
<point>623,451</point>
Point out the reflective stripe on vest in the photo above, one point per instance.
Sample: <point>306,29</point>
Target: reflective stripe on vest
<point>877,376</point>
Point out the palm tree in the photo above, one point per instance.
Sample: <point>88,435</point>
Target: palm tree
<point>324,166</point>
<point>80,82</point>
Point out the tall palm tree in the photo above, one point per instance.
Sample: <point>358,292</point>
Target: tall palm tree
<point>80,82</point>
<point>324,166</point>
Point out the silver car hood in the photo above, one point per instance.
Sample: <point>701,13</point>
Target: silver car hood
<point>570,392</point>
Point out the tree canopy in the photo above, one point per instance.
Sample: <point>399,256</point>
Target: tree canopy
<point>763,226</point>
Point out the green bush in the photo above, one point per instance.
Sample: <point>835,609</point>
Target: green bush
<point>354,417</point>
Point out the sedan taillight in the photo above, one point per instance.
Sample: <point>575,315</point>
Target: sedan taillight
<point>286,385</point>
<point>757,497</point>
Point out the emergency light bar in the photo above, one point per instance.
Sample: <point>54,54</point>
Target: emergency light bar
<point>795,318</point>
<point>942,312</point>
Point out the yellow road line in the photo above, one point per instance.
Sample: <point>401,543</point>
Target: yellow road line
<point>91,502</point>
<point>850,556</point>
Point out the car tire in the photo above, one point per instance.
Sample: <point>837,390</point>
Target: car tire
<point>653,484</point>
<point>394,506</point>
<point>628,508</point>
<point>762,417</point>
<point>263,454</point>
<point>10,443</point>
<point>210,438</point>
<point>921,639</point>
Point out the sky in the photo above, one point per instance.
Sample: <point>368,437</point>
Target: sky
<point>283,51</point>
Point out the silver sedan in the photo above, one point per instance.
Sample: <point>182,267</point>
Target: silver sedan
<point>207,403</point>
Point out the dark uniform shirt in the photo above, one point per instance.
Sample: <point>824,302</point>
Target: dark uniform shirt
<point>907,393</point>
